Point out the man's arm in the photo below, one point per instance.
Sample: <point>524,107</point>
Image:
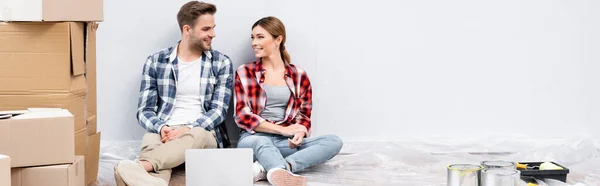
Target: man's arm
<point>220,99</point>
<point>147,108</point>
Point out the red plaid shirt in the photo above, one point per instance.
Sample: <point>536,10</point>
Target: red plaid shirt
<point>251,97</point>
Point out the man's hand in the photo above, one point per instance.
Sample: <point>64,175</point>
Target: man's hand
<point>164,132</point>
<point>297,140</point>
<point>292,130</point>
<point>175,133</point>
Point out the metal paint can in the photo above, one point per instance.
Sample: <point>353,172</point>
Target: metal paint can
<point>500,177</point>
<point>499,165</point>
<point>463,175</point>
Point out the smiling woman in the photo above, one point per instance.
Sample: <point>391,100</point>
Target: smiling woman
<point>274,104</point>
<point>275,28</point>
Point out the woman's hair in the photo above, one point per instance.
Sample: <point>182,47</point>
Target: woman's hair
<point>275,27</point>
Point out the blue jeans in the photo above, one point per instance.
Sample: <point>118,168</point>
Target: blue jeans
<point>273,151</point>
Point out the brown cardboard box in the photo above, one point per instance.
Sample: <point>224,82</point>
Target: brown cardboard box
<point>81,142</point>
<point>45,67</point>
<point>69,53</point>
<point>92,158</point>
<point>38,138</point>
<point>92,125</point>
<point>90,73</point>
<point>93,142</point>
<point>42,58</point>
<point>63,175</point>
<point>4,170</point>
<point>51,10</point>
<point>75,104</point>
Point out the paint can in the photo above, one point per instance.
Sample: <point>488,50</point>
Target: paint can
<point>500,177</point>
<point>464,175</point>
<point>507,165</point>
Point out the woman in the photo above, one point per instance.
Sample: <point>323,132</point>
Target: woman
<point>273,107</point>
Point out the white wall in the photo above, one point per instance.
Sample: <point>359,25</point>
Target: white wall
<point>385,70</point>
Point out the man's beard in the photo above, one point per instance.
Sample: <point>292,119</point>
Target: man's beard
<point>198,44</point>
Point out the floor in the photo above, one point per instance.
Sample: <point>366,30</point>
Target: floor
<point>414,161</point>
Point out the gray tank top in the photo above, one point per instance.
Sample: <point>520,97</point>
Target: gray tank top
<point>277,101</point>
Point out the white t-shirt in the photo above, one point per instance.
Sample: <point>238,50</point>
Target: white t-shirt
<point>188,106</point>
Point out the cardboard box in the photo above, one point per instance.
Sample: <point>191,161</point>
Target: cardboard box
<point>92,125</point>
<point>92,158</point>
<point>81,140</point>
<point>93,142</point>
<point>51,10</point>
<point>4,170</point>
<point>42,58</point>
<point>74,104</point>
<point>63,175</point>
<point>38,138</point>
<point>45,65</point>
<point>90,73</point>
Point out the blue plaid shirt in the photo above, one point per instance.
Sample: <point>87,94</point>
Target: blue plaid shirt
<point>159,86</point>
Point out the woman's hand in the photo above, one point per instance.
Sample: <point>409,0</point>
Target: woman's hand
<point>297,140</point>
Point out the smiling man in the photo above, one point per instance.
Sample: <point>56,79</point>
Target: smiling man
<point>184,96</point>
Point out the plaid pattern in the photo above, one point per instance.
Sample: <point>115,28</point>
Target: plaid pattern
<point>251,97</point>
<point>159,86</point>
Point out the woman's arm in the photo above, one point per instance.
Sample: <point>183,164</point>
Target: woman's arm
<point>244,117</point>
<point>251,122</point>
<point>305,101</point>
<point>268,127</point>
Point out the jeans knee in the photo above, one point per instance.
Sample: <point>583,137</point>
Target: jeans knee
<point>335,142</point>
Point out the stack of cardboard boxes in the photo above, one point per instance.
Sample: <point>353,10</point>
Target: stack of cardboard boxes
<point>48,60</point>
<point>39,145</point>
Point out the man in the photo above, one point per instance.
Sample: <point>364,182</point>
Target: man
<point>184,96</point>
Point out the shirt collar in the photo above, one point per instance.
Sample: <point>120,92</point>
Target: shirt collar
<point>260,68</point>
<point>173,54</point>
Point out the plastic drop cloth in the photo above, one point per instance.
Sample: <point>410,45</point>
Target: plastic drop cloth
<point>418,161</point>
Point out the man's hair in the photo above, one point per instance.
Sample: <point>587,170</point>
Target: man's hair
<point>190,11</point>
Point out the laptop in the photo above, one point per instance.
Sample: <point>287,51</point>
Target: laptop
<point>216,167</point>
